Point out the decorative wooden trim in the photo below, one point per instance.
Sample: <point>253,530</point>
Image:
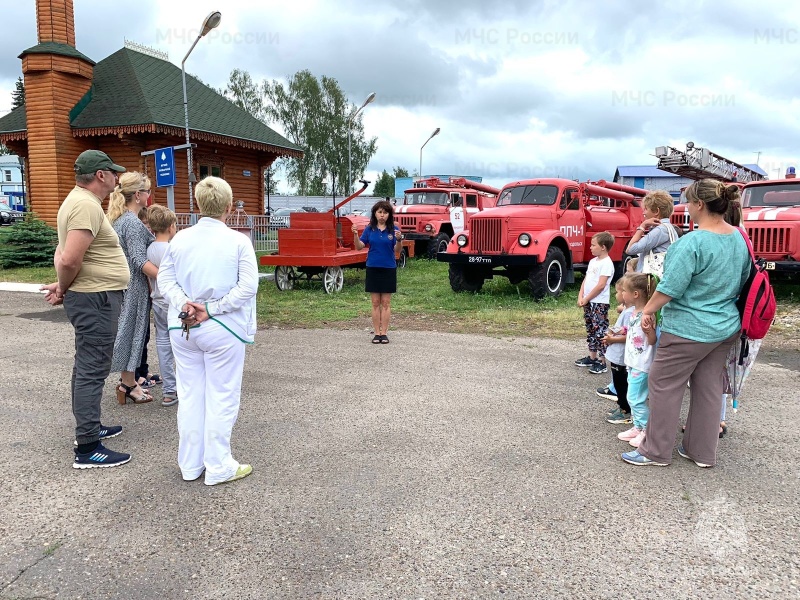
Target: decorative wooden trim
<point>180,132</point>
<point>13,136</point>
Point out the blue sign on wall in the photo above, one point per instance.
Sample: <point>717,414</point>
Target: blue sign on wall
<point>165,167</point>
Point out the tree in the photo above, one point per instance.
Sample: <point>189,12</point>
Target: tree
<point>384,187</point>
<point>30,244</point>
<point>313,114</point>
<point>18,95</point>
<point>400,172</point>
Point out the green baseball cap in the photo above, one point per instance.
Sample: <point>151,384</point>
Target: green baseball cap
<point>91,161</point>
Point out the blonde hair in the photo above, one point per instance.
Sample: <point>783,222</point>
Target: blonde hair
<point>659,201</point>
<point>643,283</point>
<point>129,183</point>
<point>214,196</point>
<point>632,264</point>
<point>716,195</point>
<point>160,218</point>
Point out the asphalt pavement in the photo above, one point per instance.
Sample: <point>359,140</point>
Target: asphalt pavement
<point>437,466</point>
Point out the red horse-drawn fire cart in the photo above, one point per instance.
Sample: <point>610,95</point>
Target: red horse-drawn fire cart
<point>320,245</point>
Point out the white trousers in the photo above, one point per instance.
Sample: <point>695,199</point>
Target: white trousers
<point>209,375</point>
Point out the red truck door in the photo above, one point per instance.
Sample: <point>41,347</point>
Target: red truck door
<point>571,222</point>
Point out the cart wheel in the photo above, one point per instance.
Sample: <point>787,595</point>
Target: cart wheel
<point>401,262</point>
<point>284,277</point>
<point>332,279</point>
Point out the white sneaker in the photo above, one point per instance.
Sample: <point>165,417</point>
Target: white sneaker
<point>637,440</point>
<point>628,435</point>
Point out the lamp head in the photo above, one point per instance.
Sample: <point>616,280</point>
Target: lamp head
<point>436,132</point>
<point>211,21</point>
<point>369,99</point>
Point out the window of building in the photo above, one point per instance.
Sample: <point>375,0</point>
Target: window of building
<point>7,174</point>
<point>213,170</point>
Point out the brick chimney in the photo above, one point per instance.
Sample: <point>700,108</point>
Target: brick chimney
<point>56,76</point>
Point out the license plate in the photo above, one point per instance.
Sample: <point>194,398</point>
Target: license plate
<point>770,266</point>
<point>482,260</point>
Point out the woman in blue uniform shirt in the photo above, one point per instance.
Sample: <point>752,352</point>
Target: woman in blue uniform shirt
<point>381,236</point>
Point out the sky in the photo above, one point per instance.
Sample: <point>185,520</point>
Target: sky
<point>520,89</point>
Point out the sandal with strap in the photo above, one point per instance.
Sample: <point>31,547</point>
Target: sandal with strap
<point>152,380</point>
<point>124,392</point>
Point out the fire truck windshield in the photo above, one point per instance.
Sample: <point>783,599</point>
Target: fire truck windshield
<point>544,195</point>
<point>435,198</point>
<point>784,194</point>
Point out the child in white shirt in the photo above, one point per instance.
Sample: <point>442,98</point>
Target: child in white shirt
<point>594,297</point>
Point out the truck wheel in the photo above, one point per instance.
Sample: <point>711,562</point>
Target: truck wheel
<point>465,280</point>
<point>438,244</point>
<point>401,261</point>
<point>547,278</point>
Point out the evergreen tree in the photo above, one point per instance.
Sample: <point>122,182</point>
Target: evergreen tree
<point>384,186</point>
<point>29,244</point>
<point>18,95</point>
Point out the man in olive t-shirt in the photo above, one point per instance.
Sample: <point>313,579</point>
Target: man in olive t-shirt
<point>92,276</point>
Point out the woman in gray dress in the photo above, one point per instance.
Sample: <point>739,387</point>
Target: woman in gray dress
<point>130,195</point>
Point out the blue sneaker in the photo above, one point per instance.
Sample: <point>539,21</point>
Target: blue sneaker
<point>106,432</point>
<point>618,417</point>
<point>100,457</point>
<point>682,452</point>
<point>634,458</point>
<point>586,361</point>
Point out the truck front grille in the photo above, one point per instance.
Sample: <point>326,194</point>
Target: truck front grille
<point>769,240</point>
<point>486,235</point>
<point>407,223</point>
<point>682,220</point>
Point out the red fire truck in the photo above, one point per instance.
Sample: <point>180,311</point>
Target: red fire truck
<point>540,231</point>
<point>771,208</point>
<point>434,210</point>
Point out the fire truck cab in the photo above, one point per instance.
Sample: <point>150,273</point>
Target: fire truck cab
<point>541,231</point>
<point>433,211</point>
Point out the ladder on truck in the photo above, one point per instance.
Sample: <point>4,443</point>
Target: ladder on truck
<point>698,163</point>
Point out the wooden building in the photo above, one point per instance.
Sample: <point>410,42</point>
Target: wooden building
<point>128,103</point>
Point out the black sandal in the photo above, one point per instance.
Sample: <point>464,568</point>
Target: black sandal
<point>384,339</point>
<point>376,339</point>
<point>124,392</point>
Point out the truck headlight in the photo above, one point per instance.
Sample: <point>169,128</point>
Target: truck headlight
<point>461,240</point>
<point>524,239</point>
<point>428,227</point>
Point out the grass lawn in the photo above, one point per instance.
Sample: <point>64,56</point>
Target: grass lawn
<point>425,302</point>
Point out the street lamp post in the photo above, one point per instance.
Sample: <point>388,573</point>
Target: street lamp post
<point>211,21</point>
<point>434,134</point>
<point>369,99</point>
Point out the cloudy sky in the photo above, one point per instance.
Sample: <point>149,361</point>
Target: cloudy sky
<point>520,89</point>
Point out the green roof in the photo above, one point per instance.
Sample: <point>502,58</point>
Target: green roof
<point>56,48</point>
<point>131,88</point>
<point>14,121</point>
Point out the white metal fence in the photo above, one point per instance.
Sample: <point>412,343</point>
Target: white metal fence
<point>263,236</point>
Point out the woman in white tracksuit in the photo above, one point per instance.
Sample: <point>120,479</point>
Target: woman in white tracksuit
<point>210,273</point>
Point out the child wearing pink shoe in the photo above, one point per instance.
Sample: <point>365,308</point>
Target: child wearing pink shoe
<point>640,347</point>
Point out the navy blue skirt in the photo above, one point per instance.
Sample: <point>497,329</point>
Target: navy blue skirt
<point>381,280</point>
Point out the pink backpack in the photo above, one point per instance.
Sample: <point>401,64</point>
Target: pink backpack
<point>756,302</point>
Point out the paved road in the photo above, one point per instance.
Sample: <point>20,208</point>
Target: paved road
<point>439,466</point>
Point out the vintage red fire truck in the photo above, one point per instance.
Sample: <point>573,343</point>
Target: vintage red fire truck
<point>434,210</point>
<point>540,231</point>
<point>771,208</point>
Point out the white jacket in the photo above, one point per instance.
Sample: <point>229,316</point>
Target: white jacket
<point>212,264</point>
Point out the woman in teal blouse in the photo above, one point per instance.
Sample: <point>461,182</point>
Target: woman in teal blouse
<point>704,272</point>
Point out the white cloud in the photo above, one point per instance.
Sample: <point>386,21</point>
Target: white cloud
<point>540,88</point>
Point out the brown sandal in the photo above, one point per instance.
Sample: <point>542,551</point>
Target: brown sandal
<point>124,392</point>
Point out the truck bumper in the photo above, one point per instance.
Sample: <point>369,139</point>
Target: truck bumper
<point>488,260</point>
<point>417,236</point>
<point>782,266</point>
